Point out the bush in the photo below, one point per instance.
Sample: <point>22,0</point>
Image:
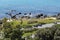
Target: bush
<point>48,33</point>
<point>12,30</point>
<point>31,22</point>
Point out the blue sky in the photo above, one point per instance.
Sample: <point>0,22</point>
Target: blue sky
<point>47,5</point>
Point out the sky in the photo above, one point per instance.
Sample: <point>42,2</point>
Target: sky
<point>53,5</point>
<point>46,5</point>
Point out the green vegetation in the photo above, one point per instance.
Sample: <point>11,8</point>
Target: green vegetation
<point>36,21</point>
<point>12,30</point>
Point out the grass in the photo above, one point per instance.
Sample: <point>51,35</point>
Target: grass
<point>25,21</point>
<point>28,34</point>
<point>57,25</point>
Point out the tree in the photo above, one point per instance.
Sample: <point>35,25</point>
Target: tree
<point>57,33</point>
<point>12,30</point>
<point>58,16</point>
<point>45,16</point>
<point>4,20</point>
<point>39,15</point>
<point>16,34</point>
<point>11,14</point>
<point>25,13</point>
<point>46,33</point>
